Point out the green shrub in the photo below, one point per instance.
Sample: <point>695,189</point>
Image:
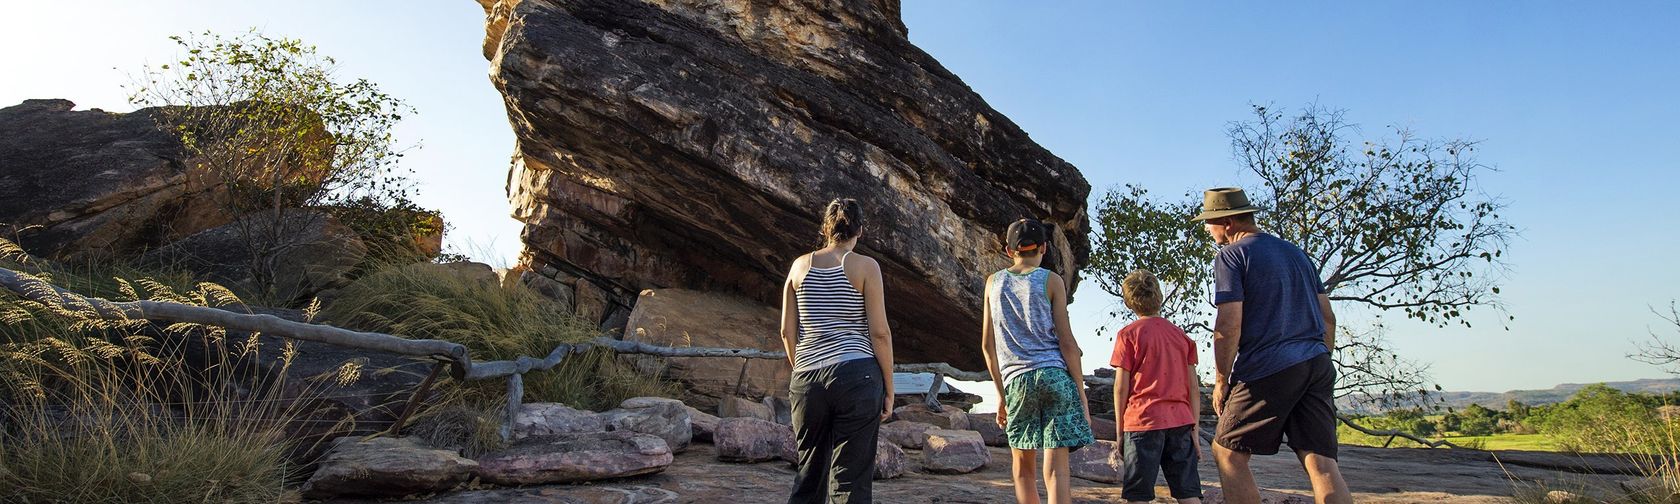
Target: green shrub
<point>1602,419</point>
<point>394,230</point>
<point>494,322</point>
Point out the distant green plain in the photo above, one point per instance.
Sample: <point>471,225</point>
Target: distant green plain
<point>1531,442</point>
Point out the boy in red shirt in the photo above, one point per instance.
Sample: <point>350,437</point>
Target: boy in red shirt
<point>1157,399</point>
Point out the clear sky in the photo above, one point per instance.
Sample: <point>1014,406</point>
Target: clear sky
<point>1576,103</point>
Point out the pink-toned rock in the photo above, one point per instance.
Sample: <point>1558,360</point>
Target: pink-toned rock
<point>753,440</point>
<point>950,418</point>
<point>683,318</point>
<point>905,434</point>
<point>589,302</point>
<point>576,457</point>
<point>954,451</point>
<point>1104,429</point>
<point>986,425</point>
<point>659,416</point>
<point>1099,462</point>
<point>703,424</point>
<point>739,407</point>
<point>890,461</point>
<point>552,419</point>
<point>386,467</point>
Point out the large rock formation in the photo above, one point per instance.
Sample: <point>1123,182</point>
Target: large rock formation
<point>91,183</point>
<point>95,182</point>
<point>682,318</point>
<point>693,144</point>
<point>286,258</point>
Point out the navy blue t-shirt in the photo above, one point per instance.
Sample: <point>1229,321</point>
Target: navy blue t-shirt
<point>1282,324</point>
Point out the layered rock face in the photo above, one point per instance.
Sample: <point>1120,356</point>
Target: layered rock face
<point>694,143</point>
<point>84,182</point>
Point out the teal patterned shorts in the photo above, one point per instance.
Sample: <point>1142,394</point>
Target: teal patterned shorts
<point>1043,411</point>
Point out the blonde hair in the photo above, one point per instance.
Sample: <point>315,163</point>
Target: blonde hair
<point>1142,293</point>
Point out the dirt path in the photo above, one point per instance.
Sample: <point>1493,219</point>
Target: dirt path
<point>1375,475</point>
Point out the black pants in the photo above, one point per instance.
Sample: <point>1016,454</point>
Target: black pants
<point>1299,401</point>
<point>836,417</point>
<point>1172,451</point>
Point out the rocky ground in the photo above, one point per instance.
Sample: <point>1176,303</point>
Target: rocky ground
<point>1376,476</point>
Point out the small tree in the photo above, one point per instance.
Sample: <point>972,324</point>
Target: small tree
<point>1393,226</point>
<point>1599,418</point>
<point>1140,232</point>
<point>1659,350</point>
<point>1516,410</point>
<point>267,121</point>
<point>1420,426</point>
<point>1449,422</point>
<point>1478,421</point>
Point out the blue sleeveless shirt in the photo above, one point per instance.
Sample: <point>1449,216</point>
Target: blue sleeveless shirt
<point>1022,322</point>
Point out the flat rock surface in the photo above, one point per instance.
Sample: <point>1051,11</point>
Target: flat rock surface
<point>386,467</point>
<point>1376,476</point>
<point>576,457</point>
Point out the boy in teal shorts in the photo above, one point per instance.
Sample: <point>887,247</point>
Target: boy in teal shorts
<point>1034,361</point>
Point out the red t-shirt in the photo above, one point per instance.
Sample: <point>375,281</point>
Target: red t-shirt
<point>1157,356</point>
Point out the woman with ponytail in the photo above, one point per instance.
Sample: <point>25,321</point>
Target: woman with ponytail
<point>834,327</point>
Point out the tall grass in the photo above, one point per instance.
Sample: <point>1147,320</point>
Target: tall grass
<point>495,322</point>
<point>1622,429</point>
<point>107,411</point>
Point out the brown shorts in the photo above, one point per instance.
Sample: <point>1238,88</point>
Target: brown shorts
<point>1298,401</point>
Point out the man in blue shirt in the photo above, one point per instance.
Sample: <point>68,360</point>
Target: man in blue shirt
<point>1272,338</point>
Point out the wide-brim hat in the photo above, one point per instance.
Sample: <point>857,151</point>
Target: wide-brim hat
<point>1224,202</point>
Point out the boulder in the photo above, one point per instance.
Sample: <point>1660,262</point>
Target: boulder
<point>1564,497</point>
<point>297,254</point>
<point>548,287</point>
<point>90,182</point>
<point>737,407</point>
<point>693,144</point>
<point>753,440</point>
<point>666,418</point>
<point>890,461</point>
<point>553,419</point>
<point>986,425</point>
<point>572,458</point>
<point>386,467</point>
<point>1099,462</point>
<point>589,302</point>
<point>309,372</point>
<point>468,270</point>
<point>703,423</point>
<point>1104,429</point>
<point>954,451</point>
<point>905,433</point>
<point>681,318</point>
<point>950,418</point>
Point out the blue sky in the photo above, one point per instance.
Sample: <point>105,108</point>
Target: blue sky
<point>1575,103</point>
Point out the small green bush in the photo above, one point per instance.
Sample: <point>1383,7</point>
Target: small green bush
<point>494,322</point>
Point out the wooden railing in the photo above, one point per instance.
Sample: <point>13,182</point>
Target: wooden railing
<point>451,356</point>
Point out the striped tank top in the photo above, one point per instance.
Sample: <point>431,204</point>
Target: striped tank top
<point>832,324</point>
<point>1022,322</point>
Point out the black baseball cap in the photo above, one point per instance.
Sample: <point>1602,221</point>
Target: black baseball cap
<point>1026,234</point>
